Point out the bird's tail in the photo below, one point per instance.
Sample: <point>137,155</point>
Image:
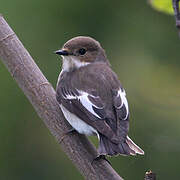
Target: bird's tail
<point>128,147</point>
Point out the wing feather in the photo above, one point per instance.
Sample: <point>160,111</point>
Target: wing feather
<point>121,104</point>
<point>88,107</point>
<point>88,101</point>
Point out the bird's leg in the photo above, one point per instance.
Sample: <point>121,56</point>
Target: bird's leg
<point>66,133</point>
<point>101,157</point>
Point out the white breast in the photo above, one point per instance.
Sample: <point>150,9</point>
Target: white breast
<point>77,123</point>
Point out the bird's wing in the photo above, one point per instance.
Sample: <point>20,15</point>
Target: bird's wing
<point>120,104</point>
<point>88,107</point>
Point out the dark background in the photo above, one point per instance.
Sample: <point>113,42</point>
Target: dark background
<point>143,48</point>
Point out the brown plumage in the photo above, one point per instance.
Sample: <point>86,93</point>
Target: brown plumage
<point>92,98</point>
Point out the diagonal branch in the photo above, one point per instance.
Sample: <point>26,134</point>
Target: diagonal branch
<point>42,96</point>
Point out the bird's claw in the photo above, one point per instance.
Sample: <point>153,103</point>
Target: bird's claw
<point>66,133</point>
<point>101,157</point>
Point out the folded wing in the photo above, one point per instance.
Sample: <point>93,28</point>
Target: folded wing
<point>88,107</point>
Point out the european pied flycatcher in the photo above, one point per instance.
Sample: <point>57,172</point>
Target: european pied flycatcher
<point>92,98</point>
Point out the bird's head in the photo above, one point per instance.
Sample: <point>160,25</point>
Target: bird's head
<point>81,51</point>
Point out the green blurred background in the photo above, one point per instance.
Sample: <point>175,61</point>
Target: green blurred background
<point>143,48</point>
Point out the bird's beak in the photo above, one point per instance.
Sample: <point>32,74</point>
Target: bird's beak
<point>62,52</point>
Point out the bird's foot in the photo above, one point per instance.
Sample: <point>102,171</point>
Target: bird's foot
<point>101,157</point>
<point>72,130</point>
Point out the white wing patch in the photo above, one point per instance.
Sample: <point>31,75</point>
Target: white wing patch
<point>87,103</point>
<point>124,101</point>
<point>70,97</point>
<point>83,98</point>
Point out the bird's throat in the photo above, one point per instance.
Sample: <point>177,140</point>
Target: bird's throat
<point>70,63</point>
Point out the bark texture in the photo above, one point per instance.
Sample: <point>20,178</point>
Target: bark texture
<point>42,96</point>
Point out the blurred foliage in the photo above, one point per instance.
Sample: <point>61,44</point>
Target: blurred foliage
<point>143,48</point>
<point>162,5</point>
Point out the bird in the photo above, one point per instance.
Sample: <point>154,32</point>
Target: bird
<point>92,98</point>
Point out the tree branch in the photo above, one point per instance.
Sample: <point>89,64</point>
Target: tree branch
<point>42,96</point>
<point>176,14</point>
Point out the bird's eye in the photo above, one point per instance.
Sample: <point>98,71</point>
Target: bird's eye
<point>82,51</point>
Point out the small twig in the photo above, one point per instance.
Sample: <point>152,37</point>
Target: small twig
<point>150,175</point>
<point>177,14</point>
